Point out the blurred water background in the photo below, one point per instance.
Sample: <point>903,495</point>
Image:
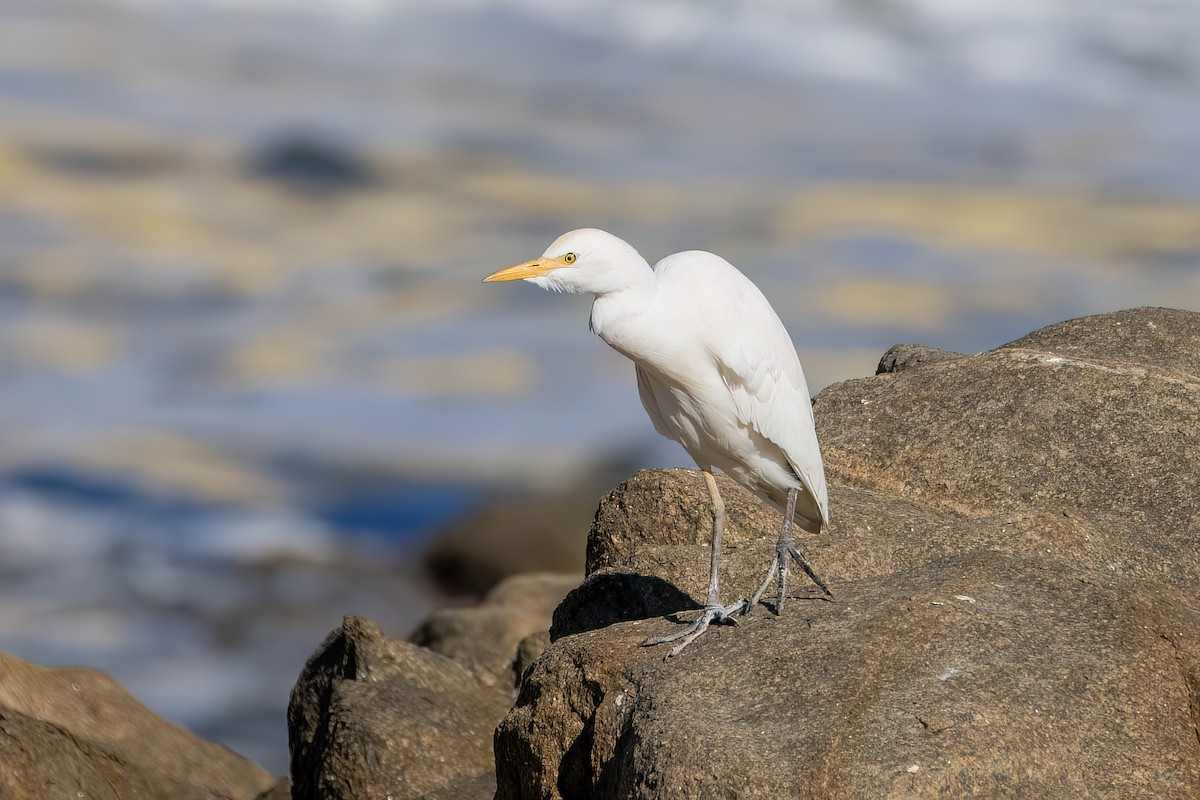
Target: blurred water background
<point>247,367</point>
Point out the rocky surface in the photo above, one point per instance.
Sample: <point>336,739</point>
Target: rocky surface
<point>906,356</point>
<point>487,639</point>
<point>1094,416</point>
<point>77,733</point>
<point>978,674</point>
<point>1014,558</point>
<point>373,716</point>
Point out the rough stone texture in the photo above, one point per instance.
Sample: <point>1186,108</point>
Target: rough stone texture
<point>872,534</point>
<point>486,638</point>
<point>1014,553</point>
<point>376,717</point>
<point>1041,425</point>
<point>906,356</point>
<point>660,506</point>
<point>1166,339</point>
<point>77,733</point>
<point>977,675</point>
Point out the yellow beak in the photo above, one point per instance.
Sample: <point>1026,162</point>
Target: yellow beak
<point>530,269</point>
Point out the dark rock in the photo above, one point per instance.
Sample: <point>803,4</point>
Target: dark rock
<point>906,356</point>
<point>485,638</point>
<point>1014,555</point>
<point>77,733</point>
<point>612,596</point>
<point>511,536</point>
<point>306,163</point>
<point>375,717</point>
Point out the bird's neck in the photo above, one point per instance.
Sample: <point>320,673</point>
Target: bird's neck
<point>616,316</point>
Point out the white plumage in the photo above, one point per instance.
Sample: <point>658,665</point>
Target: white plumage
<point>716,372</point>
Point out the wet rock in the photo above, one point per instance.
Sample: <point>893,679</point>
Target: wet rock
<point>906,356</point>
<point>487,638</point>
<point>1013,555</point>
<point>302,162</point>
<point>77,733</point>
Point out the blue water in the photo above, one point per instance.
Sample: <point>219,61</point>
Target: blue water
<point>207,611</point>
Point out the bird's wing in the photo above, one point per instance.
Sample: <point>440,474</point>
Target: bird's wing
<point>759,366</point>
<point>777,406</point>
<point>650,403</point>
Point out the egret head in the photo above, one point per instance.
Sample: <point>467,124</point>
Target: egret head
<point>585,261</point>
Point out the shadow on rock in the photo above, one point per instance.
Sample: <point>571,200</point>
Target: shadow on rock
<point>607,598</point>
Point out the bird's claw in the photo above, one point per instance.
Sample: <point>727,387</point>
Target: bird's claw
<point>798,557</point>
<point>710,614</point>
<point>786,552</point>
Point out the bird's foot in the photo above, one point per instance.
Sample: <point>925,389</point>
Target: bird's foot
<point>710,614</point>
<point>785,553</point>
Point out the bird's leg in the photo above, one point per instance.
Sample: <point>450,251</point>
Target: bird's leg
<point>785,553</point>
<point>713,610</point>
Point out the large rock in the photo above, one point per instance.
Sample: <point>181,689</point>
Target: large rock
<point>375,717</point>
<point>981,674</point>
<point>1015,562</point>
<point>1096,416</point>
<point>486,638</point>
<point>907,356</point>
<point>77,733</point>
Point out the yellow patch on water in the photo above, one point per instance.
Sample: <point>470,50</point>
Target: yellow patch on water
<point>1025,221</point>
<point>182,466</point>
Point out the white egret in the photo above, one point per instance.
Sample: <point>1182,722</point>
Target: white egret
<point>716,372</point>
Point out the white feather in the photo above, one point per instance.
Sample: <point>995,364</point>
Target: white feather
<point>715,367</point>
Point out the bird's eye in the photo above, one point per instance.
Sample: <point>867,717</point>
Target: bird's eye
<point>569,258</point>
